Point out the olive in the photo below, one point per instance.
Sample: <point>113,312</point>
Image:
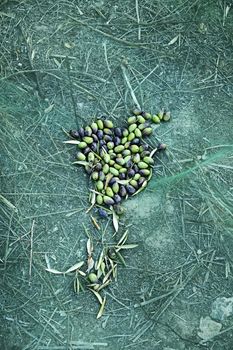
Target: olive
<point>100,185</point>
<point>155,119</point>
<point>106,157</point>
<point>101,175</point>
<point>87,150</point>
<point>108,124</point>
<point>81,132</point>
<point>145,154</point>
<point>107,138</point>
<point>102,143</point>
<point>147,131</point>
<point>136,158</point>
<point>98,166</point>
<point>88,169</point>
<point>110,145</point>
<point>135,168</point>
<point>143,126</point>
<point>100,134</point>
<point>115,187</point>
<point>131,136</point>
<point>94,127</point>
<point>141,119</point>
<point>95,175</point>
<point>82,145</point>
<point>137,177</point>
<point>132,120</point>
<point>112,181</point>
<point>81,156</point>
<point>100,124</point>
<point>118,132</point>
<point>88,139</point>
<point>129,164</point>
<point>125,132</point>
<point>137,111</point>
<point>114,171</point>
<point>74,134</point>
<point>99,199</point>
<point>148,160</point>
<point>120,161</point>
<point>109,192</point>
<point>108,200</point>
<point>136,141</point>
<point>130,189</point>
<point>119,148</point>
<point>91,157</point>
<point>130,173</point>
<point>141,180</point>
<point>138,132</point>
<point>146,115</point>
<point>142,165</point>
<point>124,140</point>
<point>122,176</point>
<point>107,131</point>
<point>126,152</point>
<point>93,277</point>
<point>117,166</point>
<point>123,170</point>
<point>116,140</point>
<point>117,198</point>
<point>94,147</point>
<point>132,127</point>
<point>133,183</point>
<point>95,138</point>
<point>167,116</point>
<point>161,146</point>
<point>87,131</point>
<point>122,191</point>
<point>134,149</point>
<point>144,172</point>
<point>105,168</point>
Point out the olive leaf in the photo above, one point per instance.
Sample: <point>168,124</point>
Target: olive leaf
<point>115,220</point>
<point>101,310</point>
<point>75,267</point>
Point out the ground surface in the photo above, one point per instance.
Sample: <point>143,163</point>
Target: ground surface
<point>61,66</point>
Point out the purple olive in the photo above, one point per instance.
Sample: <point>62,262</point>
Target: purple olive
<point>130,173</point>
<point>129,164</point>
<point>86,150</point>
<point>107,138</point>
<point>135,168</point>
<point>145,154</point>
<point>116,140</point>
<point>95,138</point>
<point>81,132</point>
<point>100,134</point>
<point>117,198</point>
<point>74,134</point>
<point>118,132</point>
<point>98,167</point>
<point>122,176</point>
<point>141,180</point>
<point>136,141</point>
<point>112,181</point>
<point>130,189</point>
<point>122,191</point>
<point>102,213</point>
<point>93,147</point>
<point>102,142</point>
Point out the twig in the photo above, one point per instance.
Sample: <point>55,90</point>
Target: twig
<point>130,87</point>
<point>138,20</point>
<point>31,250</point>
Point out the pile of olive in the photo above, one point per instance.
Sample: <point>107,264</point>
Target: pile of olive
<point>117,159</point>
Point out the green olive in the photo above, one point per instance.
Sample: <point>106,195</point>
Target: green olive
<point>81,156</point>
<point>138,133</point>
<point>99,199</point>
<point>105,168</point>
<point>148,160</point>
<point>88,139</point>
<point>136,111</point>
<point>136,177</point>
<point>108,124</point>
<point>92,277</point>
<point>131,136</point>
<point>119,148</point>
<point>140,119</point>
<point>99,185</point>
<point>91,157</point>
<point>136,158</point>
<point>82,145</point>
<point>109,192</point>
<point>95,175</point>
<point>147,131</point>
<point>115,187</point>
<point>106,158</point>
<point>155,119</point>
<point>142,165</point>
<point>132,120</point>
<point>134,148</point>
<point>117,166</point>
<point>124,140</point>
<point>114,171</point>
<point>100,124</point>
<point>123,170</point>
<point>132,127</point>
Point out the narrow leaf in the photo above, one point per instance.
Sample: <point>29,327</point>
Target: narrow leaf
<point>89,247</point>
<point>115,220</point>
<point>174,40</point>
<point>75,267</point>
<point>81,162</point>
<point>123,238</point>
<point>56,272</point>
<point>101,310</point>
<point>72,142</point>
<point>98,296</point>
<point>126,246</point>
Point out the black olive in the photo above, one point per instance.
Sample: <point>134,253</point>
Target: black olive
<point>122,176</point>
<point>118,132</point>
<point>107,138</point>
<point>112,181</point>
<point>74,134</point>
<point>129,164</point>
<point>81,132</point>
<point>86,150</point>
<point>136,141</point>
<point>123,191</point>
<point>100,134</point>
<point>95,138</point>
<point>130,189</point>
<point>117,198</point>
<point>130,173</point>
<point>93,147</point>
<point>116,140</point>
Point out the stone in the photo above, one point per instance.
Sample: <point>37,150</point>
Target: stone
<point>208,328</point>
<point>222,308</point>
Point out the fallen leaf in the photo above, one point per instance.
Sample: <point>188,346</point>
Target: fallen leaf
<point>101,310</point>
<point>174,40</point>
<point>75,267</point>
